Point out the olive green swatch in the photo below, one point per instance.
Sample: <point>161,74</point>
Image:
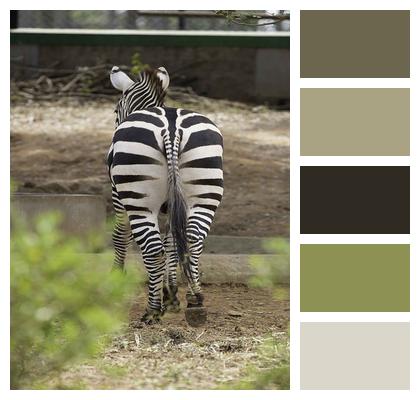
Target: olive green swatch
<point>355,278</point>
<point>355,356</point>
<point>355,122</point>
<point>355,44</point>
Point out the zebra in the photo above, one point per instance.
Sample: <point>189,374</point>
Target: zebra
<point>168,161</point>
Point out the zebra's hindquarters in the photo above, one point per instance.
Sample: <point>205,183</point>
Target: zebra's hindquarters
<point>169,155</point>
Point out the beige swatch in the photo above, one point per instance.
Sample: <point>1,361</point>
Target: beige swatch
<point>355,122</point>
<point>355,355</point>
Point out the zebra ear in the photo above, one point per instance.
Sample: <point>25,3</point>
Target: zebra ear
<point>119,79</point>
<point>163,75</point>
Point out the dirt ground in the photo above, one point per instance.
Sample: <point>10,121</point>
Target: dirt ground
<point>173,355</point>
<point>60,147</point>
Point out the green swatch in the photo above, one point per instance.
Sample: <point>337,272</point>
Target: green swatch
<point>355,278</point>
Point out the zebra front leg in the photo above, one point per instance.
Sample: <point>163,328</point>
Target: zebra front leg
<point>170,288</point>
<point>155,265</point>
<point>121,235</point>
<point>121,238</point>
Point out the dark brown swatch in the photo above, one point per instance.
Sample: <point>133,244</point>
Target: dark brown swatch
<point>355,200</point>
<point>355,44</point>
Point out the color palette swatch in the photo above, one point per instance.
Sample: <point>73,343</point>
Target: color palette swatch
<point>354,199</point>
<point>355,44</point>
<point>355,278</point>
<point>355,122</point>
<point>341,126</point>
<point>350,355</point>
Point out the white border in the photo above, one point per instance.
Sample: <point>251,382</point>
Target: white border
<point>294,6</point>
<point>294,198</point>
<point>353,239</point>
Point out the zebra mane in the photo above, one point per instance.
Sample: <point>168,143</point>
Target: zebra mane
<point>155,83</point>
<point>147,92</point>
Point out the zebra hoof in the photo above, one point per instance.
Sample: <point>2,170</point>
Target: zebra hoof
<point>150,317</point>
<point>196,316</point>
<point>170,300</point>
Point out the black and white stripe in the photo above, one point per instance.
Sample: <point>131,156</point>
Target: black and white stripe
<point>164,158</point>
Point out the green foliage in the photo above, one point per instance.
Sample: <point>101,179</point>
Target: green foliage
<point>63,301</point>
<point>136,64</point>
<point>272,272</point>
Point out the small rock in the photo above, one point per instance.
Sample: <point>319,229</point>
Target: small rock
<point>234,313</point>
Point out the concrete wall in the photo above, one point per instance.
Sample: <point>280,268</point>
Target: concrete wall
<point>243,70</point>
<point>81,214</point>
<point>84,214</point>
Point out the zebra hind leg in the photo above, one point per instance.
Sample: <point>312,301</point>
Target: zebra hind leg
<point>170,289</point>
<point>146,233</point>
<point>196,313</point>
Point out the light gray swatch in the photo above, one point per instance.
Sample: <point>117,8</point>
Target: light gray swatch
<point>355,355</point>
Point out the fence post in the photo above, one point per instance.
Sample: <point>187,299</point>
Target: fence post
<point>14,19</point>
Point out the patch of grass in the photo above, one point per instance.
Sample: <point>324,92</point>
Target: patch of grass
<point>60,385</point>
<point>270,370</point>
<point>277,378</point>
<point>114,371</point>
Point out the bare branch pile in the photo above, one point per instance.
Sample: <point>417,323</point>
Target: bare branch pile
<point>90,82</point>
<point>82,82</point>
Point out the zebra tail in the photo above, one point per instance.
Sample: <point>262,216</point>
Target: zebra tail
<point>177,207</point>
<point>178,220</point>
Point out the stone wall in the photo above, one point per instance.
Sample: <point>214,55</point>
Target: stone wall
<point>235,73</point>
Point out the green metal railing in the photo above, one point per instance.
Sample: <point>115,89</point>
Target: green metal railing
<point>88,37</point>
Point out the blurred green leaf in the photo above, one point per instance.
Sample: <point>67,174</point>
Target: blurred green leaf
<point>64,300</point>
<point>272,272</point>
